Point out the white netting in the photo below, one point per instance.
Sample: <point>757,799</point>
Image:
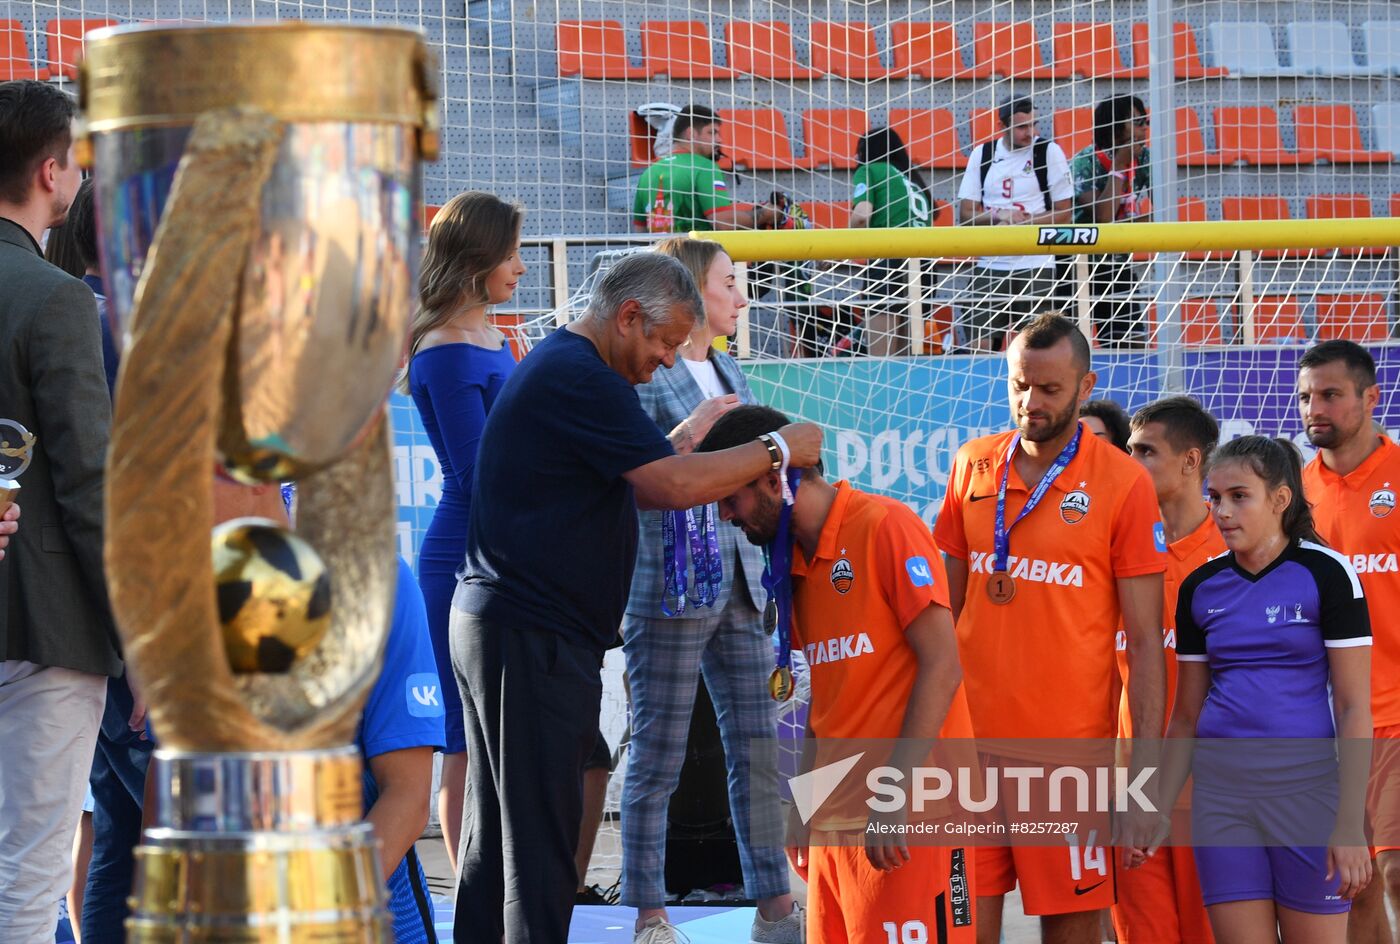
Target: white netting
<point>1278,110</point>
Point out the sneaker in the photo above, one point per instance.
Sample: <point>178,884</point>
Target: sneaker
<point>789,930</point>
<point>659,931</point>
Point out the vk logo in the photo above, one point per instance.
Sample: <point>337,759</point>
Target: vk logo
<point>424,696</point>
<point>920,574</point>
<point>1159,536</point>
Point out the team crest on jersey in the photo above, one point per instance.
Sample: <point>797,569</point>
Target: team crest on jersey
<point>842,575</point>
<point>1271,613</point>
<point>1382,501</point>
<point>1074,507</point>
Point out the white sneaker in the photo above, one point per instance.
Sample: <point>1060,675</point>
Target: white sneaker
<point>789,930</point>
<point>659,931</point>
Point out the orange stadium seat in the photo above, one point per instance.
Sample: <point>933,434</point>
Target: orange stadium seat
<point>1354,317</point>
<point>848,50</point>
<point>1201,324</point>
<point>1395,204</point>
<point>1074,129</point>
<point>1277,318</point>
<point>15,62</point>
<point>756,138</point>
<point>830,136</point>
<point>929,50</point>
<point>764,49</point>
<point>595,49</point>
<point>1343,206</point>
<point>1251,133</point>
<point>1012,50</point>
<point>1331,133</point>
<point>829,214</point>
<point>984,125</point>
<point>1191,141</point>
<point>429,211</point>
<point>930,137</point>
<point>1187,53</point>
<point>1262,207</point>
<point>65,43</point>
<point>1091,50</point>
<point>680,49</point>
<point>938,329</point>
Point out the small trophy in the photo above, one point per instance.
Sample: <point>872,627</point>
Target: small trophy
<point>258,195</point>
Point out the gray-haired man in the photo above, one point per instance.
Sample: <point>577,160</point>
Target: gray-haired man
<point>567,456</point>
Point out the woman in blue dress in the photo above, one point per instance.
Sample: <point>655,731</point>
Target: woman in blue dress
<point>458,362</point>
<point>1273,642</point>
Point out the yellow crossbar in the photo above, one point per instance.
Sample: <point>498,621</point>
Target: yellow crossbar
<point>928,243</point>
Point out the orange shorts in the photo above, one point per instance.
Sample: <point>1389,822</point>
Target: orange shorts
<point>1160,901</point>
<point>1383,790</point>
<point>928,900</point>
<point>1053,879</point>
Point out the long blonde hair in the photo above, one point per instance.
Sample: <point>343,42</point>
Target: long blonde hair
<point>472,234</point>
<point>695,254</point>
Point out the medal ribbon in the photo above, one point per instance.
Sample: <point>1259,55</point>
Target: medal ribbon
<point>702,537</point>
<point>1001,538</point>
<point>777,571</point>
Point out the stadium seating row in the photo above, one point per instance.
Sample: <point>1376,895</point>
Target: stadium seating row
<point>682,49</point>
<point>64,42</point>
<point>758,139</point>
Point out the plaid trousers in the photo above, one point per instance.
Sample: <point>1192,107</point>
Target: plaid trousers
<point>665,659</point>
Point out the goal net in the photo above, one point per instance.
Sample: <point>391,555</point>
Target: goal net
<point>1255,111</point>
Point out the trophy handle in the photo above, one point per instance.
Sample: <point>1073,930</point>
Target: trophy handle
<point>159,503</point>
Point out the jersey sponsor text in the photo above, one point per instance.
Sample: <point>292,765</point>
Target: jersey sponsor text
<point>1032,569</point>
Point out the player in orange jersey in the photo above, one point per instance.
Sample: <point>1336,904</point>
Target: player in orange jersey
<point>1160,902</point>
<point>1052,538</point>
<point>870,610</point>
<point>1352,483</point>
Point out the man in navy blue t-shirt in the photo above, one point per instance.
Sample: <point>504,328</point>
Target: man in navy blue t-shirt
<point>567,456</point>
<point>401,728</point>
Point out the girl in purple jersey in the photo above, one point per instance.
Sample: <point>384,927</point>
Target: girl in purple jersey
<point>1264,633</point>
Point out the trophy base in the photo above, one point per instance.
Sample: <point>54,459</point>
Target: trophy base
<point>258,848</point>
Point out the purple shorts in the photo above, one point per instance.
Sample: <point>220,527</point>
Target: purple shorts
<point>1253,848</point>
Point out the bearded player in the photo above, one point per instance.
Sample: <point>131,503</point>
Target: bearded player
<point>1053,539</point>
<point>870,609</point>
<point>1352,483</point>
<point>1160,902</point>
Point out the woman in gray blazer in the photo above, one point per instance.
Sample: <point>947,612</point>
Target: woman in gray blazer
<point>670,641</point>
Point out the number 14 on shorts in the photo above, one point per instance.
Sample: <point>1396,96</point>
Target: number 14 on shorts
<point>1090,858</point>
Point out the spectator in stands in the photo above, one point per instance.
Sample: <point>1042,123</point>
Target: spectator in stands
<point>670,642</point>
<point>58,645</point>
<point>567,456</point>
<point>888,192</point>
<point>686,190</point>
<point>458,363</point>
<point>1112,184</point>
<point>1108,421</point>
<point>1019,179</point>
<point>401,729</point>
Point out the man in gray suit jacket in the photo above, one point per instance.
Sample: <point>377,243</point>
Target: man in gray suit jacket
<point>57,642</point>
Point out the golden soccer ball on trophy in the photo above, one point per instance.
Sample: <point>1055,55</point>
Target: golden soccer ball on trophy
<point>274,595</point>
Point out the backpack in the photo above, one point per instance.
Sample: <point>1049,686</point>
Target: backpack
<point>1039,150</point>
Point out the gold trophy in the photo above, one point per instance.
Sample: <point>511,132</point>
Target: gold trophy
<point>258,193</point>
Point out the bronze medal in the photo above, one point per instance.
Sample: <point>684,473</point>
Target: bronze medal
<point>780,684</point>
<point>1000,587</point>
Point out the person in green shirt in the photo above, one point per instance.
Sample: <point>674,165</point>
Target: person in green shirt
<point>1113,184</point>
<point>686,190</point>
<point>887,193</point>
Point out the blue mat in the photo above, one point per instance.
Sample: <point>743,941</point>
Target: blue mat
<point>612,924</point>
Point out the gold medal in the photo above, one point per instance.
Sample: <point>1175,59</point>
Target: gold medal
<point>780,684</point>
<point>1000,587</point>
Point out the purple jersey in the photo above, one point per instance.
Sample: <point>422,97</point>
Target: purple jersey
<point>1265,637</point>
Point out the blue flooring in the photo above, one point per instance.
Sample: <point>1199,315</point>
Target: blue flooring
<point>612,924</point>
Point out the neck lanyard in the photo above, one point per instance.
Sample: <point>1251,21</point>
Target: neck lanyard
<point>702,538</point>
<point>1002,535</point>
<point>777,580</point>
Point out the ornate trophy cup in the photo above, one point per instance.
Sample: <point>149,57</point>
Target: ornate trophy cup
<point>258,193</point>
